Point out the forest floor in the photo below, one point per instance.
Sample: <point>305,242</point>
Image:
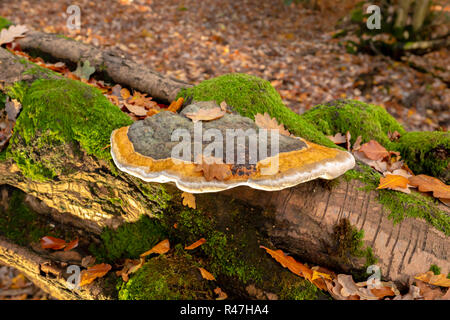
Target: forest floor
<point>291,46</point>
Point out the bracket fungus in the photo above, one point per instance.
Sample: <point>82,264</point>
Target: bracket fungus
<point>244,155</point>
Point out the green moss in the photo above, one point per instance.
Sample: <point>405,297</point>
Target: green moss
<point>21,224</point>
<point>299,291</point>
<point>401,205</point>
<point>426,152</point>
<point>166,278</point>
<point>58,114</point>
<point>4,23</point>
<point>436,270</point>
<point>361,119</point>
<point>17,90</point>
<point>350,243</point>
<point>224,250</point>
<point>129,240</point>
<point>249,95</point>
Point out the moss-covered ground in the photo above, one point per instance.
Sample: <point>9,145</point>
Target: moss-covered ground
<point>4,23</point>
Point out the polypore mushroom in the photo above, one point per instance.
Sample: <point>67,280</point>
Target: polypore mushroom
<point>146,150</point>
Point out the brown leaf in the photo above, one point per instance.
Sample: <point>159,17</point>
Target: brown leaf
<point>357,144</point>
<point>394,135</point>
<point>94,272</point>
<point>338,138</point>
<point>49,242</point>
<point>196,244</point>
<point>267,122</point>
<point>394,182</point>
<point>206,275</point>
<point>374,151</point>
<point>427,292</point>
<point>440,280</point>
<point>213,168</point>
<point>430,184</point>
<point>13,32</point>
<point>382,292</point>
<point>290,263</point>
<point>188,200</point>
<point>12,108</point>
<point>221,295</point>
<point>206,114</point>
<point>160,248</point>
<point>137,110</point>
<point>71,245</point>
<point>124,93</point>
<point>88,261</point>
<point>130,266</point>
<point>176,105</point>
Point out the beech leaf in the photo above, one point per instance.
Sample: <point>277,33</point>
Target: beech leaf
<point>206,274</point>
<point>94,272</point>
<point>160,248</point>
<point>196,244</point>
<point>374,151</point>
<point>188,200</point>
<point>206,114</point>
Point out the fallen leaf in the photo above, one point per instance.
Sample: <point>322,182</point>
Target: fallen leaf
<point>221,295</point>
<point>206,275</point>
<point>440,280</point>
<point>338,138</point>
<point>357,144</point>
<point>290,263</point>
<point>90,274</point>
<point>49,242</point>
<point>130,266</point>
<point>12,108</point>
<point>427,292</point>
<point>125,93</point>
<point>196,244</point>
<point>394,135</point>
<point>137,110</point>
<point>374,151</point>
<point>213,168</point>
<point>188,200</point>
<point>394,182</point>
<point>71,245</point>
<point>206,114</point>
<point>430,184</point>
<point>382,292</point>
<point>267,122</point>
<point>160,248</point>
<point>13,32</point>
<point>176,105</point>
<point>224,106</point>
<point>88,261</point>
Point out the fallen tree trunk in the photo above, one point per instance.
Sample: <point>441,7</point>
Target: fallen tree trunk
<point>300,220</point>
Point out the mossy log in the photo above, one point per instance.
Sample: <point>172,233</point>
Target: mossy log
<point>67,166</point>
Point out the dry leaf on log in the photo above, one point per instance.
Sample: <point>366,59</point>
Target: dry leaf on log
<point>267,122</point>
<point>12,33</point>
<point>206,275</point>
<point>160,248</point>
<point>196,244</point>
<point>290,263</point>
<point>206,114</point>
<point>130,266</point>
<point>188,200</point>
<point>213,168</point>
<point>430,184</point>
<point>440,280</point>
<point>374,151</point>
<point>394,182</point>
<point>94,272</point>
<point>176,105</point>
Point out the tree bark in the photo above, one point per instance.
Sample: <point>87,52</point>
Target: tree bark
<point>299,220</point>
<point>112,64</point>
